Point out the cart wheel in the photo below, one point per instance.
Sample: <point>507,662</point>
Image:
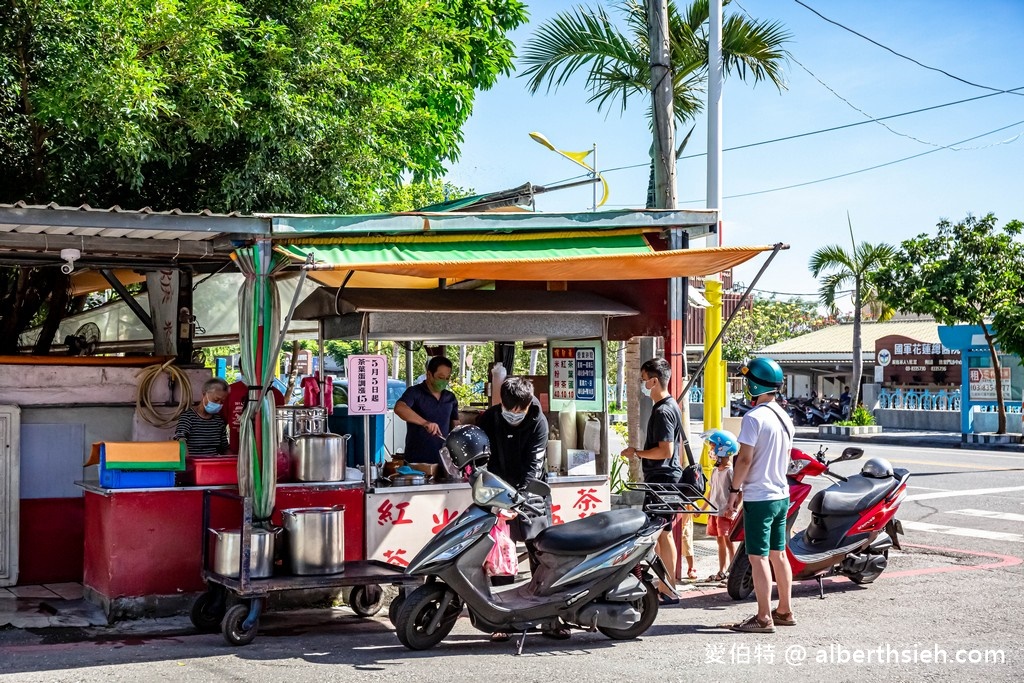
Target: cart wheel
<point>207,612</point>
<point>232,626</point>
<point>366,601</point>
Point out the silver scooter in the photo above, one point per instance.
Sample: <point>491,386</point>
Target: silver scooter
<point>593,573</point>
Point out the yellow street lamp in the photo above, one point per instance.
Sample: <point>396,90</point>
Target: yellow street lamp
<point>578,159</point>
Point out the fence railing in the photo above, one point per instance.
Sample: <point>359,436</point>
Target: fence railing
<point>919,399</point>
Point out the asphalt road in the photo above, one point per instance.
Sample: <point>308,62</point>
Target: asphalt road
<point>947,608</point>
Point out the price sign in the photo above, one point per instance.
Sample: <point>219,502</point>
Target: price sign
<point>367,385</point>
<point>576,374</point>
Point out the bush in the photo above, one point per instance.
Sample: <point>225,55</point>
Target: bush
<point>860,417</point>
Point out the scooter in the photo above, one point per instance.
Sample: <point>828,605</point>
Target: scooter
<point>853,522</point>
<point>593,573</point>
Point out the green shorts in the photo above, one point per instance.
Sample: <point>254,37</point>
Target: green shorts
<point>764,525</point>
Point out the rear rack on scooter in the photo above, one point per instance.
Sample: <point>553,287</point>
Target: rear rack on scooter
<point>672,499</point>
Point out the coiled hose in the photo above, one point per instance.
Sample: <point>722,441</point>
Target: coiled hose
<point>144,405</point>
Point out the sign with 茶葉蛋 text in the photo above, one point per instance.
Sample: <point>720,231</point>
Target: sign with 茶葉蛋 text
<point>367,385</point>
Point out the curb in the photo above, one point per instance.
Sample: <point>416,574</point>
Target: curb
<point>951,442</point>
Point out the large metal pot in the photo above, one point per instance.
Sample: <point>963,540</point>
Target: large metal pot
<point>227,547</point>
<point>319,457</point>
<point>408,479</point>
<point>295,420</point>
<point>316,540</point>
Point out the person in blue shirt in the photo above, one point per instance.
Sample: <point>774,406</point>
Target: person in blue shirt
<point>431,411</point>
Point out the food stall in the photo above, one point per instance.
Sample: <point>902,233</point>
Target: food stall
<point>560,278</point>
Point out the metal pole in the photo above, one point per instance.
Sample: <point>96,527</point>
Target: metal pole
<point>595,175</point>
<point>750,288</point>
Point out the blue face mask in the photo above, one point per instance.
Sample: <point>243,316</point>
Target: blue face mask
<point>213,408</point>
<point>513,419</point>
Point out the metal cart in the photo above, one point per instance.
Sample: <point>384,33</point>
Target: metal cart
<point>234,605</point>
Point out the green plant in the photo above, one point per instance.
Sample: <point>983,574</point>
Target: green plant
<point>860,417</point>
<point>465,394</point>
<point>620,466</point>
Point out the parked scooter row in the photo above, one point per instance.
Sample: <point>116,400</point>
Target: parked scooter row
<point>814,412</point>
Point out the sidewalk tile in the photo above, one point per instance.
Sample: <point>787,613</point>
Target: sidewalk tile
<point>33,592</point>
<point>68,591</point>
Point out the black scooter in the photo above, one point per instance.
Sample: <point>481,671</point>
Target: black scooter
<point>593,573</point>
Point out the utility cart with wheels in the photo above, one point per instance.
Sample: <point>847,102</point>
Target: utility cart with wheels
<point>233,604</point>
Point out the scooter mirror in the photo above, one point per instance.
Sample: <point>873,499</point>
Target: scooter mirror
<point>850,453</point>
<point>538,488</point>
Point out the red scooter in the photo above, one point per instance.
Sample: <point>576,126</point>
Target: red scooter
<point>852,527</point>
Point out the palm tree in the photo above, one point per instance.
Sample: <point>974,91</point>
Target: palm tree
<point>618,61</point>
<point>845,270</point>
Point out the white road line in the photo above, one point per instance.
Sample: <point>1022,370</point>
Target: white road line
<point>961,531</point>
<point>912,449</point>
<point>989,514</point>
<point>964,492</point>
<point>926,488</point>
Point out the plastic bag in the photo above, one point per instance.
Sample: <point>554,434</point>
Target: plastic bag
<point>502,560</point>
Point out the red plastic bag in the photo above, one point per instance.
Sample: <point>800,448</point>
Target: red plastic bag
<point>502,560</point>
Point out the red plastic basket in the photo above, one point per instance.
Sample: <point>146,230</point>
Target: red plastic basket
<point>218,470</point>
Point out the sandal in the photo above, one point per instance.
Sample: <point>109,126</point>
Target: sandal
<point>716,578</point>
<point>753,625</point>
<point>691,574</point>
<point>783,618</point>
<point>666,600</point>
<point>499,637</point>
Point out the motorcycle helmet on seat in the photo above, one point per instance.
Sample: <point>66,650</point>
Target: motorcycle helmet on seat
<point>877,468</point>
<point>467,445</point>
<point>763,376</point>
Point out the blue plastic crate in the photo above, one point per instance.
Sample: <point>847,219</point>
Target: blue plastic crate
<point>135,479</point>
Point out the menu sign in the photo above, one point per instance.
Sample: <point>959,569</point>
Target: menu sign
<point>908,361</point>
<point>576,374</point>
<point>367,385</point>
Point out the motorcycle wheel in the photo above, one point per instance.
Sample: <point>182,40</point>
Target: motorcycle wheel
<point>648,608</point>
<point>864,578</point>
<point>393,608</point>
<point>741,580</point>
<point>418,611</point>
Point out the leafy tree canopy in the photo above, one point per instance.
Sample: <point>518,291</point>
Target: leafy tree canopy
<point>239,105</point>
<point>769,321</point>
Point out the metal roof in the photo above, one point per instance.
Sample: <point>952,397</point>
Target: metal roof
<point>836,341</point>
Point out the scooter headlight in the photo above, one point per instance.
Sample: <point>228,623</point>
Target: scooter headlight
<point>795,467</point>
<point>482,495</point>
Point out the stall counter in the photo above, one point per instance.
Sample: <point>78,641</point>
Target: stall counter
<point>145,543</point>
<point>400,520</point>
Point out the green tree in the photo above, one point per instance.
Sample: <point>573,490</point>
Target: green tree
<point>239,105</point>
<point>768,321</point>
<point>967,273</point>
<point>852,270</point>
<point>617,59</point>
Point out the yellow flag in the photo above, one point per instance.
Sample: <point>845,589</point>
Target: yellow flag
<point>578,157</point>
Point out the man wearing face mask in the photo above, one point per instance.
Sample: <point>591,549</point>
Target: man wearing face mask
<point>202,427</point>
<point>431,411</point>
<point>518,432</point>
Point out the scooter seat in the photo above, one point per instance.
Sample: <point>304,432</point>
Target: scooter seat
<point>590,533</point>
<point>849,497</point>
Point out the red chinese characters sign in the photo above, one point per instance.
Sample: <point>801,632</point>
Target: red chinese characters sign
<point>367,385</point>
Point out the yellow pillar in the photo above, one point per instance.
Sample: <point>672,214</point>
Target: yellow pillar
<point>714,373</point>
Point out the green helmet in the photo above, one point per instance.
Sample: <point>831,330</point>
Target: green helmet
<point>763,376</point>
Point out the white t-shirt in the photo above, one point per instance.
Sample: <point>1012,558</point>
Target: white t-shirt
<point>766,478</point>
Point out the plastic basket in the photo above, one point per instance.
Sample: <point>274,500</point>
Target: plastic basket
<point>135,479</point>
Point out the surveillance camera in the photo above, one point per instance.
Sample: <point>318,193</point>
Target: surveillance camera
<point>69,255</point>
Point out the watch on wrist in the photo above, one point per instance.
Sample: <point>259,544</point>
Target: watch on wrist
<point>732,490</point>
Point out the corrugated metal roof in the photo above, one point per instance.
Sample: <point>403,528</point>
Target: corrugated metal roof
<point>838,339</point>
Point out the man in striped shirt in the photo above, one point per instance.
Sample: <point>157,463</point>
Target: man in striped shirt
<point>202,427</point>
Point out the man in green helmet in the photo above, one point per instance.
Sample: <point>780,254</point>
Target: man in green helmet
<point>759,476</point>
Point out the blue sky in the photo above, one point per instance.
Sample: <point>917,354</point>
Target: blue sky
<point>977,41</point>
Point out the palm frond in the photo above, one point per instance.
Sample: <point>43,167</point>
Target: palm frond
<point>831,257</point>
<point>831,285</point>
<point>754,48</point>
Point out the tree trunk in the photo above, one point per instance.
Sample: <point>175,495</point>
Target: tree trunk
<point>293,368</point>
<point>998,377</point>
<point>858,355</point>
<point>57,307</point>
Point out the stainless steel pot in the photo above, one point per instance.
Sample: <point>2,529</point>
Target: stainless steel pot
<point>408,479</point>
<point>227,547</point>
<point>319,457</point>
<point>316,540</point>
<point>293,421</point>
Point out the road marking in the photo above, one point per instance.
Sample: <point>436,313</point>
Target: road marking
<point>952,465</point>
<point>962,492</point>
<point>926,488</point>
<point>961,531</point>
<point>935,449</point>
<point>989,514</point>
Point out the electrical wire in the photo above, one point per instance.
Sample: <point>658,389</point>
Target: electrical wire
<point>903,56</point>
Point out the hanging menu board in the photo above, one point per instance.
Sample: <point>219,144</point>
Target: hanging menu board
<point>576,373</point>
